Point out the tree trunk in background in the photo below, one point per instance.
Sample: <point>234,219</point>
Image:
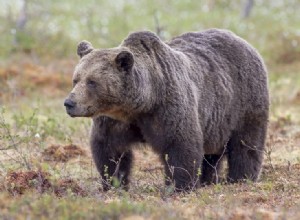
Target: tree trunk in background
<point>21,21</point>
<point>211,4</point>
<point>247,8</point>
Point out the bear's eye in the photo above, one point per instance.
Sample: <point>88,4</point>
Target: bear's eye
<point>75,81</point>
<point>91,83</point>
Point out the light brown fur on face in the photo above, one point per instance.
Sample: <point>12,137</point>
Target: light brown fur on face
<point>97,86</point>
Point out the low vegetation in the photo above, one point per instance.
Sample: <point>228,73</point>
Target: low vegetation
<point>46,169</point>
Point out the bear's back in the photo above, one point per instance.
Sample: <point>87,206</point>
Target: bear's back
<point>220,55</point>
<point>216,44</point>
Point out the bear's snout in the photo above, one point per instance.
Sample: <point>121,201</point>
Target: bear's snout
<point>69,104</point>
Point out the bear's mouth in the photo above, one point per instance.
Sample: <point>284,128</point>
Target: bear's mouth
<point>75,112</point>
<point>71,113</point>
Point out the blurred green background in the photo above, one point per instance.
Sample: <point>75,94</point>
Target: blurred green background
<point>45,33</point>
<point>46,28</point>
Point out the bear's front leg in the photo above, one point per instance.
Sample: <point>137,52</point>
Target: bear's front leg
<point>113,167</point>
<point>110,145</point>
<point>182,166</point>
<point>179,142</point>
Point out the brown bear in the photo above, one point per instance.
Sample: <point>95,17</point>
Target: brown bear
<point>196,99</point>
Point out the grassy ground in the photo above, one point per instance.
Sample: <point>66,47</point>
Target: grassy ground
<point>43,174</point>
<point>46,170</point>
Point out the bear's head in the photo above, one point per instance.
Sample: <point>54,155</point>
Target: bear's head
<point>99,80</point>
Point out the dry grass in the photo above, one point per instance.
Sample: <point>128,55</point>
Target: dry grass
<point>19,182</point>
<point>276,196</point>
<point>63,181</point>
<point>26,76</point>
<point>63,153</point>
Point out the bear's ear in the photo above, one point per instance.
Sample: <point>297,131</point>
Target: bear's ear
<point>124,61</point>
<point>83,48</point>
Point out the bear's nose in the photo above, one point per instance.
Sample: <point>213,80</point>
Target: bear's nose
<point>69,103</point>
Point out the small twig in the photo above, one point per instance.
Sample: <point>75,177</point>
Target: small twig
<point>172,170</point>
<point>14,143</point>
<point>40,182</point>
<point>117,164</point>
<point>217,163</point>
<point>267,152</point>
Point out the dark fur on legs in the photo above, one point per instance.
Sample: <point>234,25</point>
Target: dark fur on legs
<point>245,152</point>
<point>184,174</point>
<point>110,145</point>
<point>116,171</point>
<point>211,168</point>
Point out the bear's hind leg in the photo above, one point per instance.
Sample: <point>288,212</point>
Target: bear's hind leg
<point>245,151</point>
<point>211,168</point>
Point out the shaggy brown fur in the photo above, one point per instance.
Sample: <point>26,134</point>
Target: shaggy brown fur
<point>193,99</point>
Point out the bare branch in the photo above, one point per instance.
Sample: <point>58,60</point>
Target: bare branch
<point>218,161</point>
